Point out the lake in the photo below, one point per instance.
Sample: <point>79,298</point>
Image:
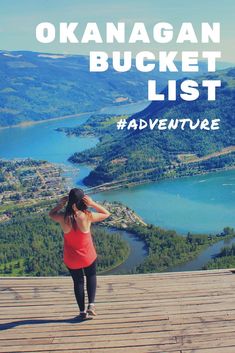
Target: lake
<point>197,204</point>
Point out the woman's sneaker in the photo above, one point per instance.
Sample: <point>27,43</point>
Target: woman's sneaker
<point>83,317</point>
<point>91,310</point>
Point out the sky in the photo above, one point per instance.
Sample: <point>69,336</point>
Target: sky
<point>19,18</point>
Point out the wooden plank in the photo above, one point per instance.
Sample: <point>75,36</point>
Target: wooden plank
<point>164,277</point>
<point>207,343</point>
<point>121,282</point>
<point>162,313</point>
<point>9,294</point>
<point>66,327</point>
<point>136,349</point>
<point>111,300</point>
<point>146,349</point>
<point>92,330</point>
<point>164,337</point>
<point>12,296</point>
<point>125,285</point>
<point>17,297</point>
<point>184,300</point>
<point>212,350</point>
<point>93,344</point>
<point>143,278</point>
<point>144,346</point>
<point>100,336</point>
<point>172,317</point>
<point>131,307</point>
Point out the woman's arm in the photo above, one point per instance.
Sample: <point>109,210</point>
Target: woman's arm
<point>55,214</point>
<point>101,213</point>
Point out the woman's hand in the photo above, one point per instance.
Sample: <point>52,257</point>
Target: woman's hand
<point>101,213</point>
<point>88,201</point>
<point>55,214</point>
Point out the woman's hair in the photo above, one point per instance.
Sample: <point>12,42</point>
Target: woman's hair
<point>75,197</point>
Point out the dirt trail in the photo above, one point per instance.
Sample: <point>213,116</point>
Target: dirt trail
<point>224,151</point>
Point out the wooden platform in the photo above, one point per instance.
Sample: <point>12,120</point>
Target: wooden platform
<point>189,312</point>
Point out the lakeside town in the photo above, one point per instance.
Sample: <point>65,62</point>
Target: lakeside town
<point>24,182</point>
<point>121,216</point>
<point>27,183</point>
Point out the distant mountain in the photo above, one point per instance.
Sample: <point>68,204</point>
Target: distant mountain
<point>36,86</point>
<point>135,156</point>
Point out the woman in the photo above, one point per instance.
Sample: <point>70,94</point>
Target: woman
<point>79,252</point>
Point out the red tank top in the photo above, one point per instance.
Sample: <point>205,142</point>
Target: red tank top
<point>79,250</point>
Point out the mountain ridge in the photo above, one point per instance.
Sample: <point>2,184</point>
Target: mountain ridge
<point>39,86</point>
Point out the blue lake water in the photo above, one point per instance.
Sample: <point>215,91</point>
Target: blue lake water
<point>197,204</point>
<point>41,141</point>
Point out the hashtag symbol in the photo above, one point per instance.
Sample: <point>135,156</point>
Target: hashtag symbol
<point>121,124</point>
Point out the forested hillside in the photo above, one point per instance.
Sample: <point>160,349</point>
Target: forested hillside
<point>36,86</point>
<point>33,245</point>
<point>139,155</point>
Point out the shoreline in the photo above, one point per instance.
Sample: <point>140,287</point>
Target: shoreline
<point>36,122</point>
<point>139,183</point>
<point>127,104</point>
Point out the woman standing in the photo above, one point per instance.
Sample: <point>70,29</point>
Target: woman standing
<point>79,252</point>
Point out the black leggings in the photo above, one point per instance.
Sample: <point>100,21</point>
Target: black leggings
<point>78,281</point>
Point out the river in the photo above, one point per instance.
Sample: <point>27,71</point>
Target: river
<point>196,204</point>
<point>203,258</point>
<point>138,251</point>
